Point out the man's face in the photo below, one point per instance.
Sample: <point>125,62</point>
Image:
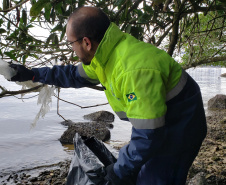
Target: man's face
<point>79,47</point>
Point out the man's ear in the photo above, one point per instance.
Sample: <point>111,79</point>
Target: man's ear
<point>87,43</point>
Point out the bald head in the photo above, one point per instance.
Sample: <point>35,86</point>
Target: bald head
<point>89,22</point>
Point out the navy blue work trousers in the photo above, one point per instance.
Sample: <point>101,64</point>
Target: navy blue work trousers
<point>185,131</point>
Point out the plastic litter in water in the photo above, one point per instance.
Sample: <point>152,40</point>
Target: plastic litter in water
<point>45,100</point>
<point>5,70</point>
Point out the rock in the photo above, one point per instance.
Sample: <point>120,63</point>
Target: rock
<point>55,174</point>
<point>67,123</point>
<point>223,75</point>
<point>217,102</point>
<point>100,116</point>
<point>198,179</point>
<point>223,121</point>
<point>88,129</point>
<point>33,179</point>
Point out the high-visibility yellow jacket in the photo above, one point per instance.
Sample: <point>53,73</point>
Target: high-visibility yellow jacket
<point>138,77</point>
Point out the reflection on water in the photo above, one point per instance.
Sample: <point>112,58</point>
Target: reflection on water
<point>22,147</point>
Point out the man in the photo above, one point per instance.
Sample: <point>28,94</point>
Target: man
<point>145,86</point>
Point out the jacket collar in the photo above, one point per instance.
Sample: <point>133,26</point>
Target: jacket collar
<point>111,38</point>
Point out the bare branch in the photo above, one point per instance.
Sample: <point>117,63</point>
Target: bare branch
<point>12,93</point>
<point>58,104</point>
<point>79,105</point>
<point>205,61</point>
<point>18,5</point>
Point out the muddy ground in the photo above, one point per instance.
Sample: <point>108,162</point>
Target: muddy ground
<point>211,161</point>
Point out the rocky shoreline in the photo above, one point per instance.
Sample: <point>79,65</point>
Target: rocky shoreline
<point>207,169</point>
<point>55,174</point>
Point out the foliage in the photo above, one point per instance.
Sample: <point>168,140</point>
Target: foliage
<point>195,28</point>
<point>204,37</point>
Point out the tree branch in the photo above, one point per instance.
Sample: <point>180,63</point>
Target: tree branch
<point>18,5</point>
<point>77,104</point>
<point>205,61</point>
<point>175,28</point>
<point>12,93</point>
<point>205,9</point>
<point>135,5</point>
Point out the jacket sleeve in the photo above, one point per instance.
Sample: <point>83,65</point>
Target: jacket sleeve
<point>144,143</point>
<point>64,76</point>
<point>143,94</point>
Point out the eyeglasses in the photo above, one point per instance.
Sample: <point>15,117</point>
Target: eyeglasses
<point>69,44</point>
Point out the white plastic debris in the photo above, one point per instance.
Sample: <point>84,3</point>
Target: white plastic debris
<point>45,99</point>
<point>27,85</point>
<point>5,70</point>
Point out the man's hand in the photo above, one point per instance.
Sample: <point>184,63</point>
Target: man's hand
<point>111,176</point>
<point>23,74</point>
<point>114,179</point>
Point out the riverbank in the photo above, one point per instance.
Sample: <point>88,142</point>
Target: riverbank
<point>209,164</point>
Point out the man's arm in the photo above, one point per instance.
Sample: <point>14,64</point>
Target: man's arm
<point>61,76</point>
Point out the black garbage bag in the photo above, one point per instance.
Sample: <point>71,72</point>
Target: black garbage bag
<point>88,164</point>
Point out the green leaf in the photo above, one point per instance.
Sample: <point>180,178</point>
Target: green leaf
<point>24,17</point>
<point>58,8</point>
<point>63,33</point>
<point>33,2</point>
<point>81,3</point>
<point>1,21</point>
<point>137,32</point>
<point>8,25</point>
<point>37,7</point>
<point>13,35</point>
<point>5,4</point>
<point>51,36</point>
<point>10,55</point>
<point>35,56</point>
<point>74,58</point>
<point>24,58</point>
<point>128,29</point>
<point>56,40</point>
<point>48,7</point>
<point>58,27</point>
<point>22,26</point>
<point>143,18</point>
<point>30,26</point>
<point>2,30</point>
<point>119,2</point>
<point>32,19</point>
<point>52,15</point>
